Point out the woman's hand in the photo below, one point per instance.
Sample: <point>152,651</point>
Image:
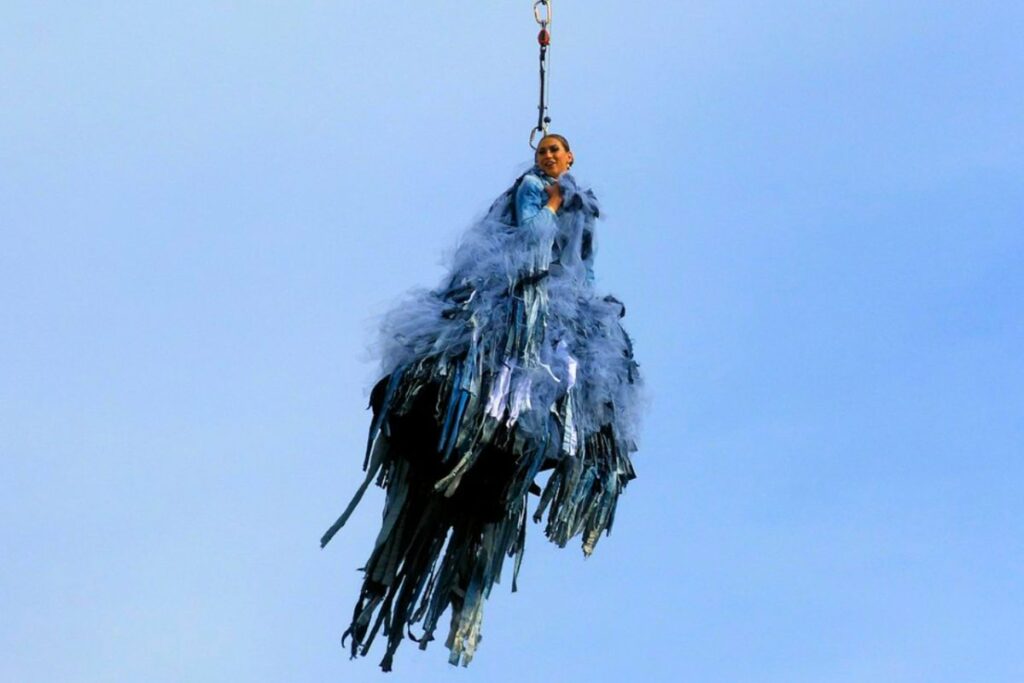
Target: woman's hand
<point>554,191</point>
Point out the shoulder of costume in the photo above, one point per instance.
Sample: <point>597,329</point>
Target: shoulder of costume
<point>536,178</point>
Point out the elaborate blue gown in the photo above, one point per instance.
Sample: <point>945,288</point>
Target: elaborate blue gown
<point>515,365</point>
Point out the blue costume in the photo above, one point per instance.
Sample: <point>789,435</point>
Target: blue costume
<point>514,365</point>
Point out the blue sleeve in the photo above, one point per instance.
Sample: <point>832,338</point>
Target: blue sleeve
<point>530,244</point>
<point>531,207</point>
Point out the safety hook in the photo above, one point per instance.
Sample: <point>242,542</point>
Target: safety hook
<point>544,20</point>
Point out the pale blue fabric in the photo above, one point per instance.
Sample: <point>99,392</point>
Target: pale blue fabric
<point>531,200</point>
<point>532,214</point>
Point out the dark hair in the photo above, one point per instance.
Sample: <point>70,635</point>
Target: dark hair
<point>560,138</point>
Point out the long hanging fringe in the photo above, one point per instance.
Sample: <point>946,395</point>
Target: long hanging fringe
<point>448,525</point>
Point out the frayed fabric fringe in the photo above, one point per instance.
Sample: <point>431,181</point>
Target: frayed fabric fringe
<point>514,367</point>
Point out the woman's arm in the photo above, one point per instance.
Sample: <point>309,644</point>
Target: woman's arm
<point>536,204</point>
<point>536,226</point>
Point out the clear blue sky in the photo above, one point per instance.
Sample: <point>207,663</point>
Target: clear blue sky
<point>815,215</point>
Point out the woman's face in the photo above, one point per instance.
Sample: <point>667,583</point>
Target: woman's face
<point>552,157</point>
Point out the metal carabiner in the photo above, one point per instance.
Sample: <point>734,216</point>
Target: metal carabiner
<point>544,21</point>
<point>533,134</point>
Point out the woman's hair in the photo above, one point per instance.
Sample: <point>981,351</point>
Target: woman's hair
<point>560,138</point>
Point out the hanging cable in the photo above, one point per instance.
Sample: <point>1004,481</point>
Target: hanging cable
<point>542,13</point>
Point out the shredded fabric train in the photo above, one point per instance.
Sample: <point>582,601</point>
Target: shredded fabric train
<point>513,366</point>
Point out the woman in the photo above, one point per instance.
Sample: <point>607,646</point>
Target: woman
<point>512,367</point>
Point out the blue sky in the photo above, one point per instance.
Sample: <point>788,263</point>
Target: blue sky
<point>814,216</point>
